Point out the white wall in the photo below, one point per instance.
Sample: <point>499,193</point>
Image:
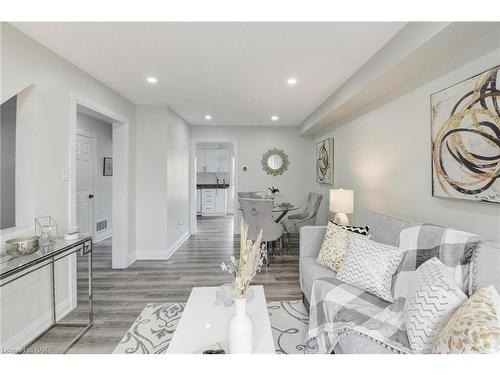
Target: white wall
<point>178,148</point>
<point>385,157</point>
<point>162,217</point>
<point>103,135</point>
<point>253,142</point>
<point>151,182</point>
<point>25,63</point>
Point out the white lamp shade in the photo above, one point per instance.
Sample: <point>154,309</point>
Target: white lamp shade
<point>341,201</point>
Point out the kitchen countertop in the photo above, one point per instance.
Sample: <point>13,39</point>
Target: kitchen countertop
<point>212,186</point>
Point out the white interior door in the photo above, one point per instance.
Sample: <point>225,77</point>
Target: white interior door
<point>85,184</point>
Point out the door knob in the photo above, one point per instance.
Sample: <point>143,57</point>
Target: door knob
<point>91,196</point>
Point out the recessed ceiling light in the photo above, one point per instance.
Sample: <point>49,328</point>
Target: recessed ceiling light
<point>152,79</point>
<point>208,117</point>
<point>292,81</point>
<point>275,118</point>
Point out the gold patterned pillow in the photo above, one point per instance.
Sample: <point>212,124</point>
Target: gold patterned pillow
<point>334,247</point>
<point>474,327</point>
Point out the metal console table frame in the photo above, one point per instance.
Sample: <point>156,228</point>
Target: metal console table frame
<point>47,257</point>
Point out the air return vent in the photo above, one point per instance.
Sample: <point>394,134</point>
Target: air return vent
<point>101,225</point>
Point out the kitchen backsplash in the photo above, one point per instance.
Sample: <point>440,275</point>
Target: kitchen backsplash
<point>211,178</point>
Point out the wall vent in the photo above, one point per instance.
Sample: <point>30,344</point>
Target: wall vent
<point>101,225</point>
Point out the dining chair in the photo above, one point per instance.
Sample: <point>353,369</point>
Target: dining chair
<point>307,217</point>
<point>258,214</point>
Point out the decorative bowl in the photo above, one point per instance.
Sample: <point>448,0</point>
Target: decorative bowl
<point>22,246</point>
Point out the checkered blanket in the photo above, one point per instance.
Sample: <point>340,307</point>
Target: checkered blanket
<point>425,241</point>
<point>337,307</point>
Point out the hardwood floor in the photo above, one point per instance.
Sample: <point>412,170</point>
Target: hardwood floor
<point>120,295</point>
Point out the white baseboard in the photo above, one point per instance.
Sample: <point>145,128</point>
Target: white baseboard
<point>23,337</point>
<point>162,254</point>
<point>102,235</point>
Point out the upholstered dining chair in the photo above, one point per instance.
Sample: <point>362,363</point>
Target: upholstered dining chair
<point>251,194</point>
<point>306,217</point>
<point>258,214</point>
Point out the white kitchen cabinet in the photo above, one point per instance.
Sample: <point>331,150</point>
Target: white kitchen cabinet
<point>198,201</point>
<point>223,163</point>
<point>213,161</point>
<point>213,202</point>
<point>221,201</point>
<point>200,160</point>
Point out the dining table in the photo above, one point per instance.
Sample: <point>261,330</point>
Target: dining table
<point>283,210</point>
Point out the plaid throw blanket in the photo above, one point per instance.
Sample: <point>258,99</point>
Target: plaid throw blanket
<point>425,241</point>
<point>337,308</point>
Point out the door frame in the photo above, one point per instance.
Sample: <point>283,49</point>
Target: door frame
<point>192,167</point>
<point>94,156</point>
<point>122,255</point>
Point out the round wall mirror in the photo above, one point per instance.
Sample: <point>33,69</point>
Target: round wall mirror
<point>275,162</point>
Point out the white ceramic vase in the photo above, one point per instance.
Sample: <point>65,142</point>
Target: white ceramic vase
<point>240,329</point>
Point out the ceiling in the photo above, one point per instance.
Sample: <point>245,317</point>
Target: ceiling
<point>236,72</point>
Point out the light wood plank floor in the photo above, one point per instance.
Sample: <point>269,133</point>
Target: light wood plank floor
<point>120,295</point>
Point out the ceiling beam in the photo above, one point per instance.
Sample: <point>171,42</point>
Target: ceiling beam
<point>419,53</point>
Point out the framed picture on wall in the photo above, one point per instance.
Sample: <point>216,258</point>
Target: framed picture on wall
<point>107,169</point>
<point>465,131</point>
<point>324,161</point>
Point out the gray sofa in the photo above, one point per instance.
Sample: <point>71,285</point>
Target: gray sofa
<point>384,229</point>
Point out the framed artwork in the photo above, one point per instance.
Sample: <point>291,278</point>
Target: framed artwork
<point>324,161</point>
<point>465,127</point>
<point>107,169</point>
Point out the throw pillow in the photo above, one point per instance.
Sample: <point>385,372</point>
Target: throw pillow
<point>370,265</point>
<point>358,230</point>
<point>334,247</point>
<point>475,326</point>
<point>432,300</point>
<point>452,247</point>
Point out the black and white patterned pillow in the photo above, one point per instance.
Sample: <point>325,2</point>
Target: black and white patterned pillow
<point>351,228</point>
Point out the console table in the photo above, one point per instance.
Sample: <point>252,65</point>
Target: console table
<point>14,268</point>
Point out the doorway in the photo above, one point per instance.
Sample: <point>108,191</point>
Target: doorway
<point>119,199</point>
<point>214,184</point>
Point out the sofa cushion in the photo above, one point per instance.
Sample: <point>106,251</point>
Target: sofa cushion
<point>486,266</point>
<point>475,326</point>
<point>310,271</point>
<point>334,247</point>
<point>351,228</point>
<point>432,300</point>
<point>370,265</point>
<point>383,228</point>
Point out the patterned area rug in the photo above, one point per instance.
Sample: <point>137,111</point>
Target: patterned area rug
<point>153,329</point>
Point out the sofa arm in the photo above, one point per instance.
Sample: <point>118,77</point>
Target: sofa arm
<point>311,239</point>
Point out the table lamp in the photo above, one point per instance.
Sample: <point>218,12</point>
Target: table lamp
<point>341,202</point>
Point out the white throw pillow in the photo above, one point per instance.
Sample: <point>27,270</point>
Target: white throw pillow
<point>475,326</point>
<point>432,299</point>
<point>370,265</point>
<point>334,247</point>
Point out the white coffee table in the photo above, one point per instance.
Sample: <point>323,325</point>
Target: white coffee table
<point>204,324</point>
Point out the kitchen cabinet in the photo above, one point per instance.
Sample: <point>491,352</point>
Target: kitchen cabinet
<point>212,161</point>
<point>213,202</point>
<point>198,201</point>
<point>200,160</point>
<point>223,164</point>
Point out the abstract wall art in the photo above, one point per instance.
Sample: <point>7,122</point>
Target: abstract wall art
<point>324,161</point>
<point>465,126</point>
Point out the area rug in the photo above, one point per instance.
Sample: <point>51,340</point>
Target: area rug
<point>153,329</point>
